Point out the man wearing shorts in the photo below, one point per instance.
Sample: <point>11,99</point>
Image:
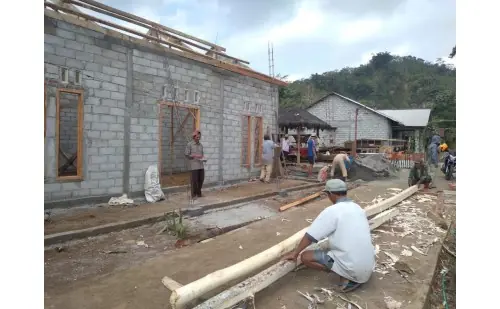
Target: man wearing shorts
<point>351,254</point>
<point>340,160</point>
<point>311,153</point>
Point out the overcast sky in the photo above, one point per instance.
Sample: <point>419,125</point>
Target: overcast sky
<point>309,36</point>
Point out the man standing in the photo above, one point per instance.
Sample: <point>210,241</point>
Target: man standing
<point>311,153</point>
<point>419,174</point>
<point>285,146</point>
<point>267,159</point>
<point>341,160</point>
<point>433,152</point>
<point>194,153</point>
<point>351,254</point>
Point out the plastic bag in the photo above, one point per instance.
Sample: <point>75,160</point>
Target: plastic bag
<point>152,187</point>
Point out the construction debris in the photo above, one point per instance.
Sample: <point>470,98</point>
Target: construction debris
<point>391,303</point>
<point>120,201</point>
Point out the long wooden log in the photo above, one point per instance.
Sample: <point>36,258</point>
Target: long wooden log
<point>301,201</point>
<point>182,296</point>
<point>249,287</point>
<point>393,200</point>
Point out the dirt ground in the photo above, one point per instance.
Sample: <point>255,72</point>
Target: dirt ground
<point>135,282</point>
<point>445,273</point>
<point>85,217</point>
<point>104,254</point>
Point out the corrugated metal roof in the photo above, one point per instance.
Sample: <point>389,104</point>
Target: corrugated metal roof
<point>355,102</point>
<point>409,117</point>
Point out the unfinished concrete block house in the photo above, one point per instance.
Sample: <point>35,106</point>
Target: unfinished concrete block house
<point>118,100</point>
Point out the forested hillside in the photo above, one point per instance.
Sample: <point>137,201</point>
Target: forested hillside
<point>386,82</point>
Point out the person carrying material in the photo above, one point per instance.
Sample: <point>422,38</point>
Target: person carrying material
<point>343,161</point>
<point>311,153</point>
<point>419,174</point>
<point>194,153</point>
<point>351,255</point>
<point>267,159</point>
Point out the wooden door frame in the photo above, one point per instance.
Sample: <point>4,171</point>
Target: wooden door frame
<point>193,110</point>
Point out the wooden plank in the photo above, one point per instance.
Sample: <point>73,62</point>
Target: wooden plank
<point>300,201</point>
<point>393,200</point>
<point>251,286</point>
<point>155,25</point>
<point>156,31</point>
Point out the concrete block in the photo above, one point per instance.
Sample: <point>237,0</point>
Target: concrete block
<point>108,135</point>
<point>119,80</point>
<point>98,159</point>
<point>85,39</point>
<point>92,184</point>
<point>99,126</point>
<point>107,118</point>
<point>100,110</point>
<point>93,134</point>
<point>52,187</point>
<point>117,143</point>
<point>73,45</point>
<point>92,49</point>
<point>92,83</point>
<point>118,64</point>
<point>56,60</point>
<point>98,192</point>
<point>109,102</point>
<point>110,86</point>
<point>48,48</point>
<point>74,64</point>
<point>104,94</point>
<point>102,60</point>
<point>114,55</point>
<point>65,34</point>
<point>110,71</point>
<point>116,127</point>
<point>116,111</point>
<point>102,77</point>
<point>119,48</point>
<point>53,40</point>
<point>118,96</point>
<point>84,56</point>
<point>91,68</point>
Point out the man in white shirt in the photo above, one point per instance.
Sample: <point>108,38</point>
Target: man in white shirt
<point>285,148</point>
<point>351,253</point>
<point>267,159</point>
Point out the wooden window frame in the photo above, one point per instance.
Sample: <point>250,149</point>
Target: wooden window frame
<point>246,159</point>
<point>193,110</point>
<point>79,145</point>
<point>260,137</point>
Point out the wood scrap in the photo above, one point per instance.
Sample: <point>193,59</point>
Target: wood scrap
<point>183,295</point>
<point>417,250</point>
<point>300,201</point>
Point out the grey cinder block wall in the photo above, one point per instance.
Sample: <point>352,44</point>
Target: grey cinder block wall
<point>340,113</point>
<point>122,82</point>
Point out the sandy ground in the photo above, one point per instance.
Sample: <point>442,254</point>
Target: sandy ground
<point>86,276</point>
<point>85,217</point>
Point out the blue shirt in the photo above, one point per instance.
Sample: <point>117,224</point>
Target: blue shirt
<point>267,152</point>
<point>310,148</point>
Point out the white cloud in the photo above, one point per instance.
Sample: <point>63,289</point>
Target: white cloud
<point>350,32</point>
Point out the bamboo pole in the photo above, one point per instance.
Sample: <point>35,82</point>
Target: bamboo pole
<point>182,296</point>
<point>249,287</point>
